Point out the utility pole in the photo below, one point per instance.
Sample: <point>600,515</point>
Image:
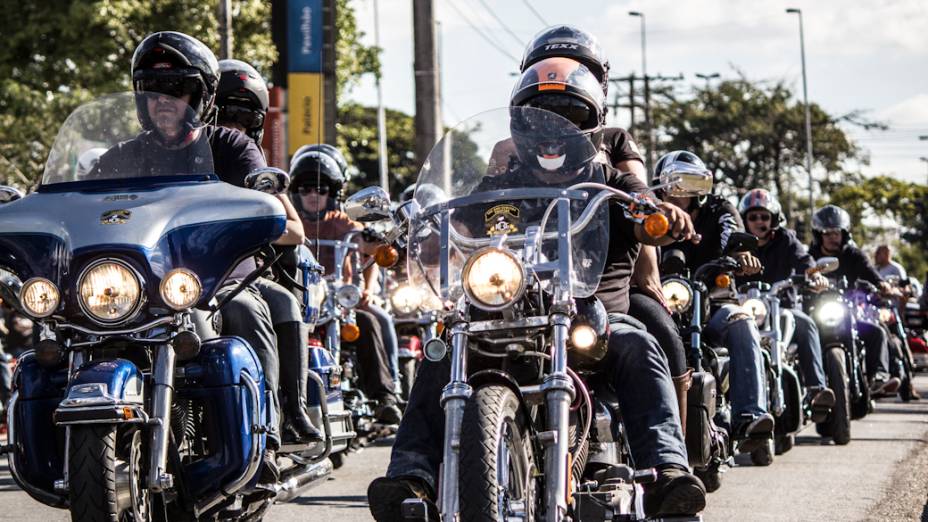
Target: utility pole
<point>647,90</point>
<point>708,77</point>
<point>425,65</point>
<point>381,115</point>
<point>805,95</point>
<point>633,104</point>
<point>225,29</point>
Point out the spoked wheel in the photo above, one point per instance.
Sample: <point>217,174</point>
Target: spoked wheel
<point>497,469</point>
<point>861,406</point>
<point>105,481</point>
<point>838,423</point>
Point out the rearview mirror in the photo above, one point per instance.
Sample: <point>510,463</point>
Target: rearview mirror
<point>269,180</point>
<point>368,204</point>
<point>686,182</point>
<point>673,261</point>
<point>741,242</point>
<point>825,265</point>
<point>9,194</point>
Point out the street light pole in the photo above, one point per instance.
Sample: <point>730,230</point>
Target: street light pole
<point>381,114</point>
<point>924,158</point>
<point>647,88</point>
<point>805,95</point>
<point>708,77</point>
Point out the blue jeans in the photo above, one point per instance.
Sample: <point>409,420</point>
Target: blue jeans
<point>810,349</point>
<point>642,383</point>
<point>390,342</point>
<point>731,327</point>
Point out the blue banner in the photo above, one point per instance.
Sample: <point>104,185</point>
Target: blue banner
<point>304,36</point>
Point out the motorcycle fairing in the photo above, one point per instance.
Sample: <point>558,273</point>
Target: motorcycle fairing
<point>205,227</point>
<point>103,391</point>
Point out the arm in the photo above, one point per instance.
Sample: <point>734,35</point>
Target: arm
<point>293,233</point>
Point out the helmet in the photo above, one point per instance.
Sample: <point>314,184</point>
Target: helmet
<point>683,164</point>
<point>315,169</point>
<point>242,97</point>
<point>88,160</point>
<point>831,217</point>
<point>568,42</point>
<point>568,89</point>
<point>327,149</point>
<point>762,199</point>
<point>175,64</point>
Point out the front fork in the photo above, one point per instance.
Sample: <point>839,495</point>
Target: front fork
<point>453,398</point>
<point>559,393</point>
<point>777,350</point>
<point>162,397</point>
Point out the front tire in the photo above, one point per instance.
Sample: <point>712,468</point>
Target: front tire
<point>94,465</point>
<point>838,423</point>
<point>497,472</point>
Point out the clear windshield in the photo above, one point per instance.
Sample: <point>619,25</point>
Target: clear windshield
<point>105,140</point>
<point>492,179</point>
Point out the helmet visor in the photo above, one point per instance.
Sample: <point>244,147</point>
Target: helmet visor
<point>235,114</point>
<point>572,109</point>
<point>174,84</point>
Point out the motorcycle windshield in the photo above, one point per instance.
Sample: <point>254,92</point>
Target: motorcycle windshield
<point>489,182</point>
<point>126,136</point>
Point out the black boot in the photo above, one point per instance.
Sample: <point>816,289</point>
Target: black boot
<point>294,365</point>
<point>675,492</point>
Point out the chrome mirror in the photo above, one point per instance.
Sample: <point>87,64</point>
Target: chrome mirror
<point>826,265</point>
<point>269,180</point>
<point>368,204</point>
<point>686,182</point>
<point>9,194</point>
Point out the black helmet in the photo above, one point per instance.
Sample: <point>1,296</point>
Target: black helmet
<point>315,169</point>
<point>831,217</point>
<point>680,162</point>
<point>567,88</point>
<point>568,42</point>
<point>327,149</point>
<point>242,97</point>
<point>762,199</point>
<point>176,64</point>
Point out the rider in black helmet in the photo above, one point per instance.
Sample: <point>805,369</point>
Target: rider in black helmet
<point>242,98</point>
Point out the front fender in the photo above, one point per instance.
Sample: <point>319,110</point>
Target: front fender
<point>109,391</point>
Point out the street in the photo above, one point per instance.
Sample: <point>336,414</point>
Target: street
<point>881,475</point>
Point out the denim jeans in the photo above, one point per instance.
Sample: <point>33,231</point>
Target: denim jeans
<point>731,327</point>
<point>390,342</point>
<point>638,370</point>
<point>810,349</point>
<point>657,322</point>
<point>876,342</point>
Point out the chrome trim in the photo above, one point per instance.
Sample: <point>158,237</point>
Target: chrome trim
<point>453,398</point>
<point>502,324</point>
<point>129,331</point>
<point>254,459</point>
<point>139,280</point>
<point>162,394</point>
<point>686,284</point>
<point>168,275</point>
<point>468,265</point>
<point>30,281</point>
<point>45,497</point>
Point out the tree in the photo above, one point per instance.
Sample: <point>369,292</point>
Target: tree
<point>357,137</point>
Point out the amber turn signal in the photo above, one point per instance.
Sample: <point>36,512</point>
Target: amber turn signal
<point>656,225</point>
<point>722,280</point>
<point>386,256</point>
<point>350,332</point>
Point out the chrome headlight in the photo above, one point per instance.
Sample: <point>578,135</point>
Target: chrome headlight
<point>830,313</point>
<point>180,289</point>
<point>348,296</point>
<point>40,297</point>
<point>406,299</point>
<point>758,309</point>
<point>678,294</point>
<point>109,292</point>
<point>493,278</point>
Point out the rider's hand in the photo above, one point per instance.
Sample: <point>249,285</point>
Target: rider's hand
<point>889,290</point>
<point>750,265</point>
<point>681,225</point>
<point>818,282</point>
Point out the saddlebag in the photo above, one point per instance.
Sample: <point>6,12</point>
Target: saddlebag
<point>701,403</point>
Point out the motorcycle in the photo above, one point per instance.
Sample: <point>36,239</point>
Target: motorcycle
<point>121,410</point>
<point>516,268</point>
<point>416,319</point>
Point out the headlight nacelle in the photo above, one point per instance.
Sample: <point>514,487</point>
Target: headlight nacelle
<point>180,289</point>
<point>109,292</point>
<point>493,278</point>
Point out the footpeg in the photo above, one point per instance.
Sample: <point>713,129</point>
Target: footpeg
<point>415,509</point>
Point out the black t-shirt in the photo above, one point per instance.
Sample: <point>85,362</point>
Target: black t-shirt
<point>620,146</point>
<point>715,221</point>
<point>853,264</point>
<point>623,245</point>
<point>231,155</point>
<point>781,257</point>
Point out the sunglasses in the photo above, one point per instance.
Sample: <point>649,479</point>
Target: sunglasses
<point>759,217</point>
<point>247,118</point>
<point>305,190</point>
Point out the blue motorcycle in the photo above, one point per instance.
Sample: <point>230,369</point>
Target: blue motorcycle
<point>122,411</point>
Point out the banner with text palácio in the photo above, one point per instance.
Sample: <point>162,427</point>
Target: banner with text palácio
<point>305,104</point>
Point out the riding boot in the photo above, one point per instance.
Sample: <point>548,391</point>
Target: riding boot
<point>294,365</point>
<point>681,385</point>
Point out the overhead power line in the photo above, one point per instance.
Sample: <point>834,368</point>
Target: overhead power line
<point>485,36</point>
<point>502,24</point>
<point>534,12</point>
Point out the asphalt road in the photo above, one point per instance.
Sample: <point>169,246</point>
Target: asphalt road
<point>881,475</point>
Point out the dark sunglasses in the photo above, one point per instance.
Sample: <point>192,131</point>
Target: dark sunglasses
<point>171,86</point>
<point>305,190</point>
<point>247,118</point>
<point>571,109</point>
<point>759,217</point>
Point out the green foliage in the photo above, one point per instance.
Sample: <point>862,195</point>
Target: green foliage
<point>357,138</point>
<point>354,58</point>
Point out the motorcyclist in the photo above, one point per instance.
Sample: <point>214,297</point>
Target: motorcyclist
<point>715,219</point>
<point>831,236</point>
<point>175,78</point>
<point>885,266</point>
<point>242,102</point>
<point>619,150</point>
<point>636,365</point>
<point>315,188</point>
<point>782,255</point>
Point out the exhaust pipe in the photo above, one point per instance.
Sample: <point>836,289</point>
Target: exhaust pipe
<point>294,484</point>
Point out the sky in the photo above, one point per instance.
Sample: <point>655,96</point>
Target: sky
<point>870,56</point>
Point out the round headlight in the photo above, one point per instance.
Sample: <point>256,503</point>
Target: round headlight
<point>180,289</point>
<point>109,292</point>
<point>405,299</point>
<point>757,309</point>
<point>348,296</point>
<point>678,295</point>
<point>40,297</point>
<point>830,313</point>
<point>583,336</point>
<point>493,278</point>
